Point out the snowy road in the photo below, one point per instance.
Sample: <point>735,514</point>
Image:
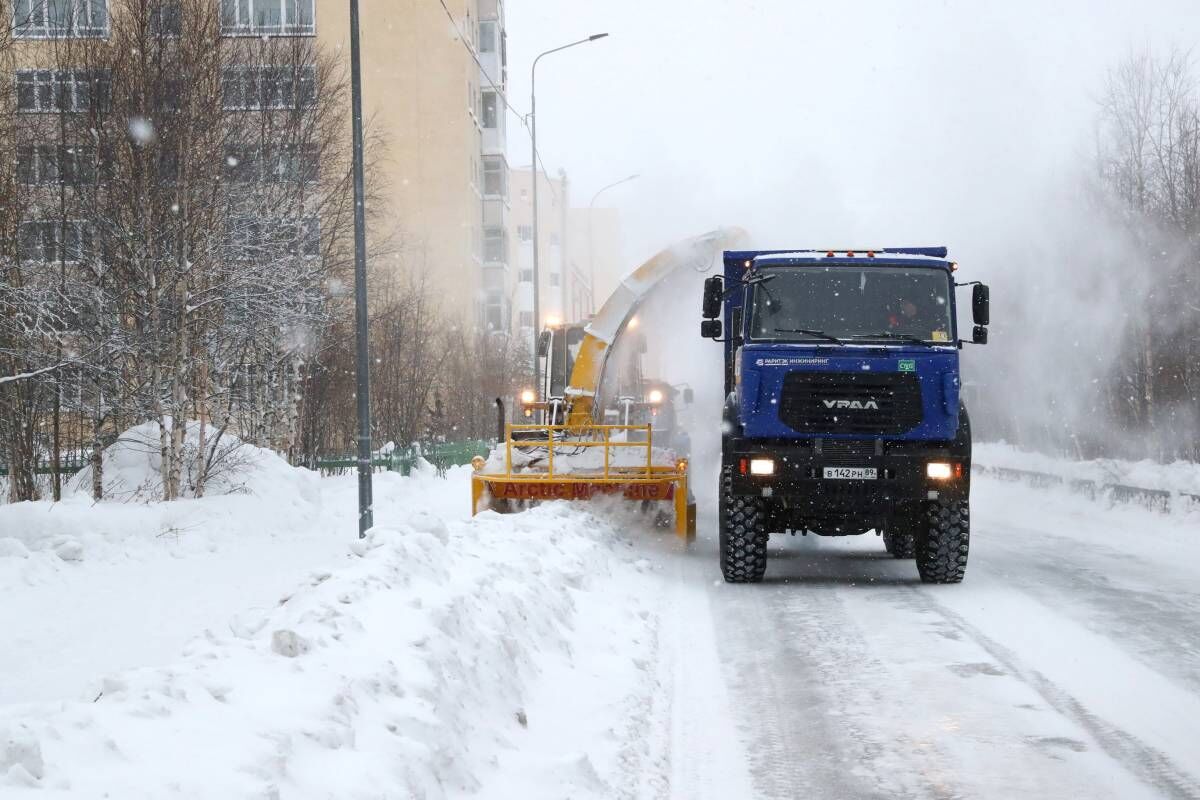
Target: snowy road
<point>571,652</point>
<point>1066,665</point>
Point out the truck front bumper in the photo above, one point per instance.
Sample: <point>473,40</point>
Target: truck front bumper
<point>807,478</point>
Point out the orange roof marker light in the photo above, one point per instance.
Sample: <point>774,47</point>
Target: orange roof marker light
<point>870,254</point>
<point>850,253</point>
<point>829,254</point>
<point>954,266</point>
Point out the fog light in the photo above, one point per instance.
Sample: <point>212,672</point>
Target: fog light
<point>477,463</point>
<point>762,466</point>
<point>939,470</point>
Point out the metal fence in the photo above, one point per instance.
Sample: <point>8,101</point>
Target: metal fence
<point>441,455</point>
<point>68,465</point>
<point>1155,499</point>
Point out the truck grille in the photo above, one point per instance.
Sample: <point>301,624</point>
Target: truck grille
<point>847,453</point>
<point>872,404</point>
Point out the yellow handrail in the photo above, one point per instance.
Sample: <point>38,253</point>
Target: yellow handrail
<point>581,436</point>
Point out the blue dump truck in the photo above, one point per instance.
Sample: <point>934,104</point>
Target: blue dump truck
<point>842,411</point>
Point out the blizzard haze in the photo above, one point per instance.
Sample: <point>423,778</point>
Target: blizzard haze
<point>878,124</point>
<point>808,123</point>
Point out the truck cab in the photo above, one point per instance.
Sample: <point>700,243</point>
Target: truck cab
<point>843,411</point>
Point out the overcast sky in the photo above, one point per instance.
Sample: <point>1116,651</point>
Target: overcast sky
<point>817,124</point>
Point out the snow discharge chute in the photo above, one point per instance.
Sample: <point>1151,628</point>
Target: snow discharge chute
<point>582,457</point>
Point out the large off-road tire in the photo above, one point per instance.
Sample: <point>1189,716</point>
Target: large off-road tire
<point>743,534</point>
<point>943,541</point>
<point>900,537</point>
<point>901,544</point>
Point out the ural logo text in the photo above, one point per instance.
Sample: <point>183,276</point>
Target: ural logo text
<point>857,405</point>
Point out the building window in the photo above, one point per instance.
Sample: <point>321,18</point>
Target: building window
<point>267,18</point>
<point>44,19</point>
<point>526,319</point>
<point>525,234</point>
<point>40,90</point>
<point>43,240</point>
<point>254,88</point>
<point>487,37</point>
<point>494,312</point>
<point>45,165</point>
<point>525,276</point>
<point>495,245</point>
<point>166,20</point>
<point>254,239</point>
<point>554,279</point>
<point>284,164</point>
<point>495,176</point>
<point>491,103</point>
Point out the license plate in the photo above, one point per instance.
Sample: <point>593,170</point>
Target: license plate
<point>851,473</point>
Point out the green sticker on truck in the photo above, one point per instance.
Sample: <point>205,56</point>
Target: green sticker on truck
<point>908,365</point>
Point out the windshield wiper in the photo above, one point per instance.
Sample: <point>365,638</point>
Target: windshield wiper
<point>903,337</point>
<point>818,334</point>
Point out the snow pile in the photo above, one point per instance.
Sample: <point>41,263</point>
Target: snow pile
<point>251,490</point>
<point>133,466</point>
<point>400,672</point>
<point>1180,476</point>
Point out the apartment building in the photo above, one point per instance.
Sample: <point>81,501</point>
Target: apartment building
<point>433,84</point>
<point>580,255</point>
<point>434,75</point>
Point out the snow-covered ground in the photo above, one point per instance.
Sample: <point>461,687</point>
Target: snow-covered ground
<point>248,645</point>
<point>1181,476</point>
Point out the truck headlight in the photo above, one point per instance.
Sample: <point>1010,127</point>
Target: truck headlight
<point>528,396</point>
<point>762,466</point>
<point>655,396</point>
<point>939,470</point>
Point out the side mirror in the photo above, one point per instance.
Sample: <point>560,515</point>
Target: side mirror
<point>714,294</point>
<point>979,335</point>
<point>688,394</point>
<point>981,304</point>
<point>711,329</point>
<point>543,343</point>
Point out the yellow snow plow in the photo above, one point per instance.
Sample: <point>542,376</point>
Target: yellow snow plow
<point>571,455</point>
<point>580,462</point>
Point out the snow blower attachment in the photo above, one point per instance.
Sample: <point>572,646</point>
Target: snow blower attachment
<point>561,462</point>
<point>566,453</point>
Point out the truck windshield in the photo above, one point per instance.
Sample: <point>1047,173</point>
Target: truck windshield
<point>852,303</point>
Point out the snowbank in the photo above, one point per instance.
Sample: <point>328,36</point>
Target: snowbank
<point>252,490</point>
<point>1181,476</point>
<point>400,670</point>
<point>133,464</point>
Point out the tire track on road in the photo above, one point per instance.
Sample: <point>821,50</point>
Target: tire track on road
<point>1148,764</point>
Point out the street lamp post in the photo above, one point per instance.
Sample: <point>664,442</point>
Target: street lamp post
<point>591,248</point>
<point>534,161</point>
<point>362,355</point>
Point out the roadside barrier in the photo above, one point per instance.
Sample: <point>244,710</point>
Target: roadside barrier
<point>1160,500</point>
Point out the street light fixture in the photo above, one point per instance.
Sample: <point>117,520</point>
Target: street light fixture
<point>533,136</point>
<point>591,249</point>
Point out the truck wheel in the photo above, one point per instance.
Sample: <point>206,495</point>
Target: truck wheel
<point>901,544</point>
<point>943,541</point>
<point>743,535</point>
<point>900,535</point>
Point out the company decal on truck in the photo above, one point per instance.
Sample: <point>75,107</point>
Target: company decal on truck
<point>791,362</point>
<point>572,490</point>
